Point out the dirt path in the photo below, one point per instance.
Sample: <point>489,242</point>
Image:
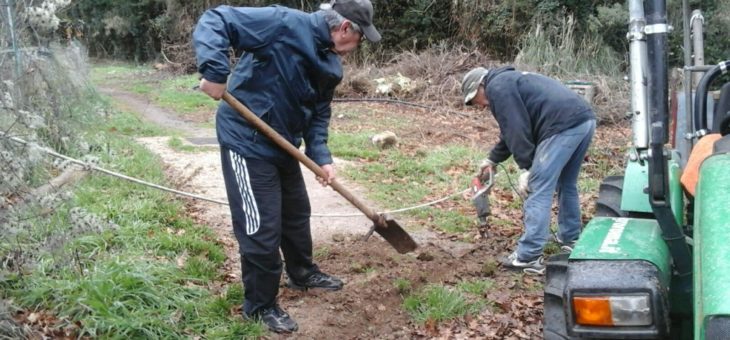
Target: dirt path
<point>154,114</point>
<point>201,173</point>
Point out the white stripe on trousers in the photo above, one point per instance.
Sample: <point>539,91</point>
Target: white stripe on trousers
<point>248,202</point>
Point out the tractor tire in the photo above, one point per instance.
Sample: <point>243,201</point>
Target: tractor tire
<point>554,320</point>
<point>608,203</point>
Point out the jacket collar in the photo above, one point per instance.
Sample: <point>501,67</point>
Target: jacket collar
<point>495,72</point>
<point>322,36</point>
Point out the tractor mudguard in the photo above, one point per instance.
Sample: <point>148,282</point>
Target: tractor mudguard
<point>712,248</point>
<point>608,238</point>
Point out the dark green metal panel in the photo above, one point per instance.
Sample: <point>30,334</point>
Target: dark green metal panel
<point>634,197</point>
<point>607,238</point>
<point>712,241</point>
<point>676,194</point>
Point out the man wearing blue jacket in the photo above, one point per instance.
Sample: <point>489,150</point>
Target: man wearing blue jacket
<point>547,128</point>
<point>286,75</point>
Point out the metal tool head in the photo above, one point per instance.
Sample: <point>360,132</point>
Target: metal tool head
<point>392,232</point>
<point>481,186</point>
<point>481,203</point>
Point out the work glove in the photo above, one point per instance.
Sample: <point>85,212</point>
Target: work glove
<point>486,169</point>
<point>523,181</point>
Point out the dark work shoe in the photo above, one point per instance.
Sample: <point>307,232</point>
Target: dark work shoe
<point>318,280</point>
<point>275,318</point>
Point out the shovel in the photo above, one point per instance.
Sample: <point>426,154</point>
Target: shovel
<point>384,225</point>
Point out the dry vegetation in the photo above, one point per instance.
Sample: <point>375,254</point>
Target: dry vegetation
<point>435,80</point>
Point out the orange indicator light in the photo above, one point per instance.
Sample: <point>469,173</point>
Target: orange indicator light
<point>592,311</point>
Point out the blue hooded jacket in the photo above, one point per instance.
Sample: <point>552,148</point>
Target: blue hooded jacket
<point>286,75</point>
<point>529,109</point>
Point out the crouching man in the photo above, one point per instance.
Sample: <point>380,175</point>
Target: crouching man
<point>547,128</point>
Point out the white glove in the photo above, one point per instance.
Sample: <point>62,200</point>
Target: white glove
<point>484,168</point>
<point>523,188</point>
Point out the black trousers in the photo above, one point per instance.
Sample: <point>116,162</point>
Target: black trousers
<point>270,210</point>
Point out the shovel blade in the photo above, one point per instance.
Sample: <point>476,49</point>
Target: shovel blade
<point>395,235</point>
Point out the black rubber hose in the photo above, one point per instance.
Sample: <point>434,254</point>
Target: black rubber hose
<point>700,113</point>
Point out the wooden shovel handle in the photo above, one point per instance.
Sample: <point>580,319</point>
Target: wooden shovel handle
<point>292,150</point>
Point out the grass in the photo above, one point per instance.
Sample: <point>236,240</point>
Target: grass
<point>403,286</point>
<point>118,71</point>
<point>551,248</point>
<point>449,221</point>
<point>396,179</point>
<point>129,124</point>
<point>174,92</point>
<point>366,119</point>
<point>353,146</point>
<point>359,268</point>
<point>476,287</point>
<point>179,145</point>
<point>559,51</point>
<point>321,252</point>
<point>436,303</point>
<point>144,89</point>
<point>116,296</point>
<point>119,260</point>
<point>177,94</point>
<point>603,163</point>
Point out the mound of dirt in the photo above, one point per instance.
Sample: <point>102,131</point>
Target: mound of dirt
<point>370,306</point>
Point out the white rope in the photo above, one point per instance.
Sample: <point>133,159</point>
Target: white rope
<point>427,204</point>
<point>88,166</point>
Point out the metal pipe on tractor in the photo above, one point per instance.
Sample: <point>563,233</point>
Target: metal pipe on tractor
<point>637,55</point>
<point>686,145</point>
<point>698,44</point>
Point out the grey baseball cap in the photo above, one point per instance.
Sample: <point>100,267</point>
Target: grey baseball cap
<point>359,12</point>
<point>470,84</point>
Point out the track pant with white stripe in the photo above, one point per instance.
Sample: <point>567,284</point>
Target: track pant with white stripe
<point>270,210</point>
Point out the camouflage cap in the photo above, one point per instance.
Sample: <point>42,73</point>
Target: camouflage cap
<point>470,84</point>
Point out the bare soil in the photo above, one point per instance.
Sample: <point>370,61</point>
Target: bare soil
<point>370,306</point>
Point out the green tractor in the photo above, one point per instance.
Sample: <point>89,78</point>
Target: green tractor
<point>655,261</point>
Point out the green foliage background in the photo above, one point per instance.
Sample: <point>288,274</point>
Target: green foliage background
<point>140,29</point>
<point>717,24</point>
